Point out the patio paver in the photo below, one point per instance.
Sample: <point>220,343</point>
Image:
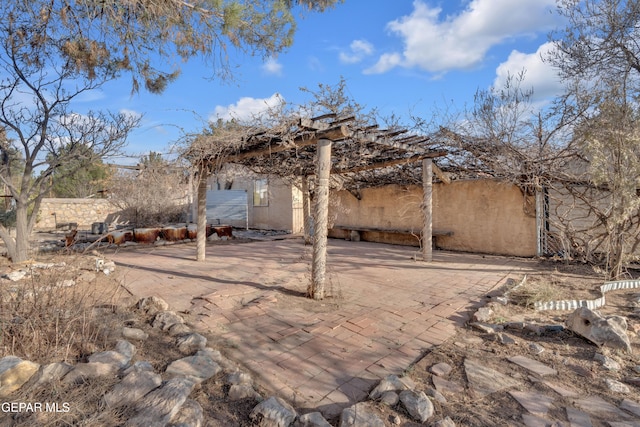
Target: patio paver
<point>383,312</point>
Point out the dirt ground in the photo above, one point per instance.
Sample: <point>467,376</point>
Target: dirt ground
<point>554,280</point>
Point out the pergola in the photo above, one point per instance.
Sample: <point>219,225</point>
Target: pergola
<point>325,147</point>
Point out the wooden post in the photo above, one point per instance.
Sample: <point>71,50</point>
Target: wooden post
<point>427,205</point>
<point>319,266</point>
<point>306,211</point>
<point>201,238</point>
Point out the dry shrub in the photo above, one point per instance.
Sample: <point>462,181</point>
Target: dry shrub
<point>533,291</point>
<point>46,318</point>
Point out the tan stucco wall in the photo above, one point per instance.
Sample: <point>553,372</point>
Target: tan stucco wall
<point>485,216</point>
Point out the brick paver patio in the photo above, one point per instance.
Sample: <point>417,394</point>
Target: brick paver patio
<point>384,311</point>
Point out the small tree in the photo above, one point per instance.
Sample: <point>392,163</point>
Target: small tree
<point>153,194</point>
<point>70,180</point>
<point>51,52</point>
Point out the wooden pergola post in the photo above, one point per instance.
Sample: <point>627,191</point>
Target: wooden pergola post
<point>319,265</point>
<point>306,211</point>
<point>427,205</point>
<point>201,238</point>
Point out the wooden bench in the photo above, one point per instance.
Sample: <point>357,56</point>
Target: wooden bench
<point>353,232</point>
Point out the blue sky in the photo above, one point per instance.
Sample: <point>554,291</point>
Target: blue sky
<point>396,56</point>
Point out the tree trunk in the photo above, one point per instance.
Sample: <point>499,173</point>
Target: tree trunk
<point>21,251</point>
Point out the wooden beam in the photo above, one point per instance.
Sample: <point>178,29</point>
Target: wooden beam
<point>441,175</point>
<point>304,140</point>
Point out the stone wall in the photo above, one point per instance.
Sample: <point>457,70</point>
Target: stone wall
<point>84,212</point>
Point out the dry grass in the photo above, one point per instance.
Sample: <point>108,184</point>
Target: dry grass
<point>533,291</point>
<point>56,314</point>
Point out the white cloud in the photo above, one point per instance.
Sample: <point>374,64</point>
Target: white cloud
<point>358,50</point>
<point>131,113</point>
<point>272,66</point>
<point>438,44</point>
<point>539,75</point>
<point>246,108</point>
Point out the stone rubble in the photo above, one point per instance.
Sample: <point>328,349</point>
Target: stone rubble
<point>163,398</point>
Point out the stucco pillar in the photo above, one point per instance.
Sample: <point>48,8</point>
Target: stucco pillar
<point>427,205</point>
<point>319,266</point>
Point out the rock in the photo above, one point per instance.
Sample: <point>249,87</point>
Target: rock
<point>166,319</point>
<point>360,415</point>
<point>502,300</point>
<point>487,328</point>
<point>139,366</point>
<point>633,381</point>
<point>84,371</point>
<point>446,386</point>
<point>49,373</point>
<point>436,395</point>
<point>515,325</point>
<point>441,369</point>
<point>447,422</point>
<point>242,391</point>
<point>552,328</point>
<point>188,344</point>
<point>417,405</point>
<point>158,407</point>
<point>389,398</point>
<point>535,403</point>
<point>15,276</point>
<point>532,328</point>
<point>110,357</point>
<point>617,386</point>
<point>483,315</point>
<point>178,329</point>
<point>609,331</point>
<point>395,419</point>
<point>199,367</point>
<point>189,415</point>
<point>14,373</point>
<point>505,339</point>
<point>273,412</point>
<point>132,388</point>
<point>239,377</point>
<point>536,348</point>
<point>631,406</point>
<point>134,334</point>
<point>598,407</point>
<point>608,363</point>
<point>152,305</point>
<point>532,365</point>
<point>313,419</point>
<point>484,380</point>
<point>392,383</point>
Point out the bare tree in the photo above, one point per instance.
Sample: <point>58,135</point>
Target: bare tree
<point>154,194</point>
<point>52,52</point>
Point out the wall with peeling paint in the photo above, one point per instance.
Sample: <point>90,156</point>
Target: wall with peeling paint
<point>485,216</point>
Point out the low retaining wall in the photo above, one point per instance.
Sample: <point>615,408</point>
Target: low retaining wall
<point>84,212</point>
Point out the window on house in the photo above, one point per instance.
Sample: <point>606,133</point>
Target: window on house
<point>260,192</point>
